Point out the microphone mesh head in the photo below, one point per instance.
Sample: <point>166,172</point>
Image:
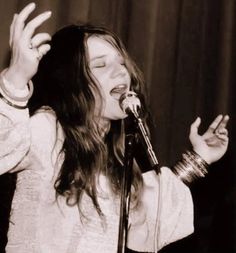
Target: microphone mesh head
<point>129,102</point>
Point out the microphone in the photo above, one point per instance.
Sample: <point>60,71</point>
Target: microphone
<point>130,104</point>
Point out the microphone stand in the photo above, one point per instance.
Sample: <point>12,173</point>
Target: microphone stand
<point>152,156</point>
<point>130,103</point>
<point>125,190</point>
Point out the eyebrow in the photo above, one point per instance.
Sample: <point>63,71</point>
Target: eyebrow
<point>104,55</point>
<point>97,57</point>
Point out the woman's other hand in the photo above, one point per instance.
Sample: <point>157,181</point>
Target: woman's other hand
<point>27,48</point>
<point>212,145</point>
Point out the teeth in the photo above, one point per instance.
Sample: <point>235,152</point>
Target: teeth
<point>119,89</point>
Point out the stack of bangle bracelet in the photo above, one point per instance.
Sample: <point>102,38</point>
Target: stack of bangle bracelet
<point>190,167</point>
<point>12,100</point>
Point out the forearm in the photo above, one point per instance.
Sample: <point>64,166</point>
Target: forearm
<point>165,214</point>
<point>14,133</point>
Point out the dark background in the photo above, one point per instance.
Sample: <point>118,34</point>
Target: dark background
<point>186,49</point>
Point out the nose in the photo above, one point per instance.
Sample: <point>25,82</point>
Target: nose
<point>118,70</point>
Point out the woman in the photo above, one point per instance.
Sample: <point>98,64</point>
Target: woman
<point>69,152</point>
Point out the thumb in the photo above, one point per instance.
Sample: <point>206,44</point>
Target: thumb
<point>194,129</point>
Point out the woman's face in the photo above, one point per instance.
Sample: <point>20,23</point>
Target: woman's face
<point>111,75</point>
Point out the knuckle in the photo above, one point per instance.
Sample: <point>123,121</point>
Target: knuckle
<point>30,26</point>
<point>20,20</point>
<point>48,36</point>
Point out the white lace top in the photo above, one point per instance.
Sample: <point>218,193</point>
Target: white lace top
<point>41,224</point>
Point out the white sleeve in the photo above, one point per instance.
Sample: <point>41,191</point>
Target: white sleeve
<point>14,136</point>
<point>165,214</point>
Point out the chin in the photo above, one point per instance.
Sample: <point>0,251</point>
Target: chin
<point>118,116</point>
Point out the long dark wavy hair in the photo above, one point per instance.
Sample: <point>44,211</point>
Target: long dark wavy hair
<point>64,82</point>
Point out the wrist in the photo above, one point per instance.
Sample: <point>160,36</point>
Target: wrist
<point>203,155</point>
<point>190,167</point>
<point>16,79</point>
<point>13,96</point>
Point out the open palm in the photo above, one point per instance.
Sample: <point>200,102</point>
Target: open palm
<point>212,145</point>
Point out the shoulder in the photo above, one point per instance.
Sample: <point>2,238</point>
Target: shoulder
<point>43,127</point>
<point>44,115</point>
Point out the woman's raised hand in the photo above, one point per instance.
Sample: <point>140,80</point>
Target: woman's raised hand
<point>212,145</point>
<point>27,48</point>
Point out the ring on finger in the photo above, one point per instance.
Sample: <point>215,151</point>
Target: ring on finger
<point>31,45</point>
<point>39,54</point>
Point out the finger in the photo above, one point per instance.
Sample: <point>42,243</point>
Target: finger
<point>223,138</point>
<point>35,23</point>
<point>215,123</point>
<point>216,141</point>
<point>12,29</point>
<point>222,134</point>
<point>223,123</point>
<point>40,38</point>
<point>222,131</point>
<point>42,50</point>
<point>194,128</point>
<point>21,18</point>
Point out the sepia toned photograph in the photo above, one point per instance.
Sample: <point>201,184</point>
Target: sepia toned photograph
<point>117,126</point>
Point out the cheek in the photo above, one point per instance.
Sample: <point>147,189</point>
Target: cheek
<point>98,98</point>
<point>101,76</point>
<point>104,91</point>
<point>103,83</point>
<point>104,104</point>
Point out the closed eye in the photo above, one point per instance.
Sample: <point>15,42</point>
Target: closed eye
<point>102,65</point>
<point>99,65</point>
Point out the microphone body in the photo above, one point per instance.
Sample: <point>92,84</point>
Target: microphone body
<point>130,104</point>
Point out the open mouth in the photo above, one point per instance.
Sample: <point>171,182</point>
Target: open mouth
<point>118,91</point>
